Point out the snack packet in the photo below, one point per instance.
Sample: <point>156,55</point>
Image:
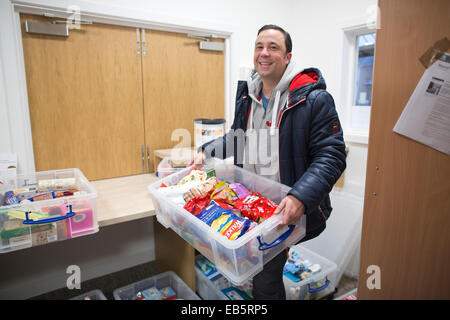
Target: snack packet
<point>194,175</point>
<point>197,204</point>
<point>211,213</point>
<point>202,189</point>
<point>239,189</point>
<point>224,193</point>
<point>231,226</point>
<point>224,221</point>
<point>256,208</point>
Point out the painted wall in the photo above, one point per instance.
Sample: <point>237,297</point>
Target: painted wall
<point>316,30</point>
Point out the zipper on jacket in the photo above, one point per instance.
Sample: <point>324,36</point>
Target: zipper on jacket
<point>282,111</point>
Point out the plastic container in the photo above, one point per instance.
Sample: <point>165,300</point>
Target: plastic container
<point>351,295</point>
<point>207,289</point>
<point>316,286</point>
<point>170,165</point>
<point>162,280</point>
<point>239,259</point>
<point>91,295</point>
<point>32,223</point>
<point>339,241</point>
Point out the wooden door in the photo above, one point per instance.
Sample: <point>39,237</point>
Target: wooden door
<point>406,219</point>
<point>181,83</point>
<point>85,100</point>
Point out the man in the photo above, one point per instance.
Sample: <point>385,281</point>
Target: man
<point>292,135</point>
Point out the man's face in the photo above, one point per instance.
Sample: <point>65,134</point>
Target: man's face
<point>270,58</point>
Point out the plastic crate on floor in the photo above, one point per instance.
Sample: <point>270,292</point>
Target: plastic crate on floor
<point>318,284</point>
<point>160,281</point>
<point>91,295</point>
<point>211,287</point>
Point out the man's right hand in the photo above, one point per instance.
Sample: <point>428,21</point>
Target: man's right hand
<point>198,160</point>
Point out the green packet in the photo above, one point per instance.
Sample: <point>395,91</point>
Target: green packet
<point>15,228</point>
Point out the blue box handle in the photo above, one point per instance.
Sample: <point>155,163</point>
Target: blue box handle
<point>319,288</point>
<point>284,236</point>
<point>31,221</point>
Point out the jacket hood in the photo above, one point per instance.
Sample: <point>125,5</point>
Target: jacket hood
<point>303,83</point>
<point>254,81</point>
<point>293,87</point>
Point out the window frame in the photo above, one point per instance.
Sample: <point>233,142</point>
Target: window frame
<point>349,62</point>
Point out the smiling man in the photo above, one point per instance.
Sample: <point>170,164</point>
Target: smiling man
<point>292,136</point>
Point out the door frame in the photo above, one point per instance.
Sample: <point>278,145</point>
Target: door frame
<point>12,58</point>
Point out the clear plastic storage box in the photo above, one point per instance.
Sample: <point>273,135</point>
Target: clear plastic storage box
<point>170,165</point>
<point>160,281</point>
<point>317,285</point>
<point>91,295</point>
<point>244,257</point>
<point>30,223</point>
<point>210,287</point>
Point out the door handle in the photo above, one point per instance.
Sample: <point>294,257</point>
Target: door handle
<point>143,159</point>
<point>148,158</point>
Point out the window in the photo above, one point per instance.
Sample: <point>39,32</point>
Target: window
<point>357,66</point>
<point>365,46</point>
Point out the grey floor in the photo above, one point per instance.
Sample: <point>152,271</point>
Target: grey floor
<point>107,284</point>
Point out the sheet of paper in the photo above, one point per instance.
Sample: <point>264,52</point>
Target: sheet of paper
<point>426,117</point>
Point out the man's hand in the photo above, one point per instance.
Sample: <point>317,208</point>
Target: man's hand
<point>199,159</point>
<point>293,209</point>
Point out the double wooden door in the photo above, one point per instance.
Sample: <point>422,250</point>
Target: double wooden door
<point>97,102</point>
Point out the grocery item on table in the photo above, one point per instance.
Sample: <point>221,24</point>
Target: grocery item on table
<point>42,196</point>
<point>56,184</point>
<point>178,163</point>
<point>10,198</point>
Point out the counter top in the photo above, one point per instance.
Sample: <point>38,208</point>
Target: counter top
<point>124,199</point>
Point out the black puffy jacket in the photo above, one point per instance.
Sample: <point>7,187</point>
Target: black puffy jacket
<point>311,146</point>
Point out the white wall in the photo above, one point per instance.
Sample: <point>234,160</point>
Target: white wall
<point>5,145</point>
<point>315,27</point>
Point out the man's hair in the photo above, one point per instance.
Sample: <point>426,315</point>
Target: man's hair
<point>287,37</point>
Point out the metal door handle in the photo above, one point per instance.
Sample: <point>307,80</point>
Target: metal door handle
<point>148,158</point>
<point>143,159</point>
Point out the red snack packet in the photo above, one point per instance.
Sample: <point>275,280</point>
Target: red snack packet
<point>255,207</point>
<point>197,204</point>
